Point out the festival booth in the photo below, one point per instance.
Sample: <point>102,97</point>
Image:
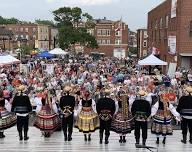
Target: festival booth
<point>8,60</point>
<point>45,54</point>
<point>151,60</point>
<point>58,51</point>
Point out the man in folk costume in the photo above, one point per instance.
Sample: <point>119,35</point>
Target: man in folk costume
<point>105,109</point>
<point>122,122</point>
<point>161,113</point>
<point>7,119</point>
<point>87,118</point>
<point>67,104</point>
<point>185,109</point>
<point>21,106</point>
<point>141,110</point>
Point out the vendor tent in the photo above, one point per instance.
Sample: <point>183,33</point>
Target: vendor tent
<point>151,60</point>
<point>45,54</point>
<point>58,51</point>
<point>8,59</point>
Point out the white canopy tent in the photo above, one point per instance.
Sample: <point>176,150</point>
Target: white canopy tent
<point>58,51</point>
<point>8,59</point>
<point>151,60</point>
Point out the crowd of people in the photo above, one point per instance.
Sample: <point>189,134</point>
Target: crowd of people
<point>106,94</point>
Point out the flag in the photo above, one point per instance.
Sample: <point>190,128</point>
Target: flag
<point>119,28</point>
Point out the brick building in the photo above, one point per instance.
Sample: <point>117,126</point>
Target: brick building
<point>33,35</point>
<point>142,39</point>
<point>170,30</point>
<point>5,39</point>
<point>111,36</point>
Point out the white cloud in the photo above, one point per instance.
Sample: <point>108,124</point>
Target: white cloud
<point>84,2</point>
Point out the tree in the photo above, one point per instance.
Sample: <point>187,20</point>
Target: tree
<point>9,20</point>
<point>70,32</point>
<point>45,22</point>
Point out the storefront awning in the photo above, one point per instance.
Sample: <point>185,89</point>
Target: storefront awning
<point>185,54</point>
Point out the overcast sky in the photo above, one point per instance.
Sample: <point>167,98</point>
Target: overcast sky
<point>133,12</point>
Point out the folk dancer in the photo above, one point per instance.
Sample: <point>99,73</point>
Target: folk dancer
<point>67,104</point>
<point>7,119</point>
<point>105,109</point>
<point>47,119</point>
<point>22,107</point>
<point>87,118</point>
<point>161,114</point>
<point>141,110</point>
<point>185,109</point>
<point>122,122</point>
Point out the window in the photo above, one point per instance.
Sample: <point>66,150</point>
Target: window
<point>108,42</point>
<point>145,43</point>
<point>190,29</point>
<point>99,32</point>
<point>34,29</point>
<point>117,41</point>
<point>21,29</point>
<point>99,41</point>
<point>166,21</point>
<point>103,32</point>
<point>156,24</point>
<point>145,34</point>
<point>34,36</point>
<point>103,42</point>
<point>161,23</point>
<point>26,29</point>
<point>90,31</point>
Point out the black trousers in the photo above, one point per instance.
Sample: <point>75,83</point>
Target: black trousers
<point>143,126</point>
<point>67,124</point>
<point>22,122</point>
<point>105,126</point>
<point>185,125</point>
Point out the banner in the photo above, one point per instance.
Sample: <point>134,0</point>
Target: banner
<point>171,70</point>
<point>172,45</point>
<point>173,8</point>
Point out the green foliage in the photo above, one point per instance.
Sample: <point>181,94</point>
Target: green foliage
<point>45,22</point>
<point>68,21</point>
<point>9,20</point>
<point>26,50</point>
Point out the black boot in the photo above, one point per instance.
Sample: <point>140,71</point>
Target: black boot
<point>157,141</point>
<point>164,140</point>
<point>69,136</point>
<point>89,137</point>
<point>137,142</point>
<point>184,140</point>
<point>124,140</point>
<point>144,142</point>
<point>25,136</point>
<point>2,135</point>
<point>106,139</point>
<point>101,138</point>
<point>121,139</point>
<point>190,140</point>
<point>65,136</point>
<point>20,136</point>
<point>85,137</point>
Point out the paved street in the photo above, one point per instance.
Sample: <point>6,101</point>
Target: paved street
<point>37,143</point>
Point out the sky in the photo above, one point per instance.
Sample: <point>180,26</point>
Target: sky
<point>133,12</point>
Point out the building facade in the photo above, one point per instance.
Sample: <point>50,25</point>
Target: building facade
<point>170,30</point>
<point>142,42</point>
<point>33,35</point>
<point>112,38</point>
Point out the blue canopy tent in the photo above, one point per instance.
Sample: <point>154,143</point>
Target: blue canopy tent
<point>45,54</point>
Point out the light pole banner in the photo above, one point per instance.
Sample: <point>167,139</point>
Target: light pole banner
<point>172,44</point>
<point>173,8</point>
